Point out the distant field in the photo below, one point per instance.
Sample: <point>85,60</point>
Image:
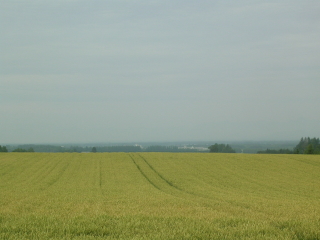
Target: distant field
<point>159,196</point>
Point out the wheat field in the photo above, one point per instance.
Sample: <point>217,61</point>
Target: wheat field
<point>159,196</point>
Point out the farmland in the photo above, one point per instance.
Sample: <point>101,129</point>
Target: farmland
<point>159,196</point>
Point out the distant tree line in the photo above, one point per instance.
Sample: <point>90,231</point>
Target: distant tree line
<point>23,150</point>
<point>79,149</point>
<point>153,148</point>
<point>221,148</point>
<point>118,149</point>
<point>49,148</point>
<point>3,149</point>
<point>280,151</point>
<point>160,148</point>
<point>306,145</point>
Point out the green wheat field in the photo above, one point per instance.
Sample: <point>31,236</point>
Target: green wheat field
<point>159,196</point>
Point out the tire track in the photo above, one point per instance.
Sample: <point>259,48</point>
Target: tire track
<point>143,174</point>
<point>45,172</point>
<point>171,185</point>
<point>18,167</point>
<point>56,177</point>
<point>43,186</point>
<point>100,174</point>
<point>156,172</point>
<point>167,186</point>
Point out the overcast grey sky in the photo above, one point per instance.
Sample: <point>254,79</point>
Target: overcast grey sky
<point>159,70</point>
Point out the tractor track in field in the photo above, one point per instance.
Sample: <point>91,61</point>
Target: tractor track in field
<point>38,179</point>
<point>156,172</point>
<point>177,191</point>
<point>58,176</point>
<point>171,185</point>
<point>7,175</point>
<point>100,171</point>
<point>162,179</point>
<point>143,174</point>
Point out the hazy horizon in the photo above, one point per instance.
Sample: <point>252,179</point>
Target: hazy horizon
<point>159,71</point>
<point>167,143</point>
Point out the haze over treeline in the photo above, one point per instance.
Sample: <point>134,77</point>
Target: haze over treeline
<point>132,71</point>
<point>306,145</point>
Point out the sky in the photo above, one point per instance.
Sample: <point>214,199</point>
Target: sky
<point>159,70</point>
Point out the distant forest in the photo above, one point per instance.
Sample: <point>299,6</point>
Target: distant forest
<point>79,149</point>
<point>306,145</point>
<point>221,148</point>
<point>3,149</point>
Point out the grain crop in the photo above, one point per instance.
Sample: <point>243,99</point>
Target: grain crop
<point>159,196</point>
